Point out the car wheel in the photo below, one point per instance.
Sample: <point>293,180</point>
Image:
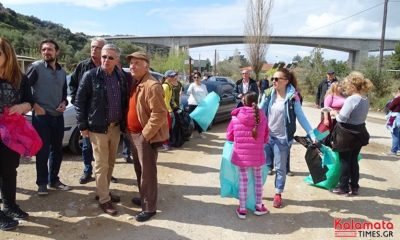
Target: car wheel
<point>75,142</point>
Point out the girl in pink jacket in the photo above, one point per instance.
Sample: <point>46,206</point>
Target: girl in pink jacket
<point>248,131</point>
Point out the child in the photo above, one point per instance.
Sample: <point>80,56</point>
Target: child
<point>248,131</point>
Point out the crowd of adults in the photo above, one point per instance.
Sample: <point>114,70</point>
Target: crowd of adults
<point>110,102</point>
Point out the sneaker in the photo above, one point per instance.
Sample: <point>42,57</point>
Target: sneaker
<point>241,213</point>
<point>166,147</point>
<point>129,159</point>
<point>277,203</point>
<point>42,190</point>
<point>261,210</point>
<point>85,178</point>
<point>354,191</point>
<point>340,191</point>
<point>59,186</point>
<point>7,223</point>
<point>290,174</point>
<point>391,154</point>
<point>270,172</point>
<point>202,136</point>
<point>114,180</point>
<point>15,213</point>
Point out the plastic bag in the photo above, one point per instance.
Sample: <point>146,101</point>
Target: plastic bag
<point>229,178</point>
<point>205,112</point>
<point>19,135</point>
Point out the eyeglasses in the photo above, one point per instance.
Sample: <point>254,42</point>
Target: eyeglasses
<point>276,79</point>
<point>95,47</point>
<point>107,57</point>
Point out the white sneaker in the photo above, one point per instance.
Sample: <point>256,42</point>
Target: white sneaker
<point>202,136</point>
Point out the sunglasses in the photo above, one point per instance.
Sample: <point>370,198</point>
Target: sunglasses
<point>107,57</point>
<point>195,77</point>
<point>273,79</point>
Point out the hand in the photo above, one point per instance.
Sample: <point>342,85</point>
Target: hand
<point>61,107</point>
<point>38,109</point>
<point>85,133</point>
<point>20,108</point>
<point>317,106</point>
<point>240,95</point>
<point>333,113</point>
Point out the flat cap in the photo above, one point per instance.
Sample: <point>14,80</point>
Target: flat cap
<point>138,55</point>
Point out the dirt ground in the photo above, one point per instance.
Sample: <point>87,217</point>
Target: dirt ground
<point>190,206</point>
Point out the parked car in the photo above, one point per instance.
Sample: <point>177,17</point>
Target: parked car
<point>220,79</point>
<point>72,136</point>
<point>224,89</point>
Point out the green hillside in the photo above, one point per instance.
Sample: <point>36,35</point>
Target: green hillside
<point>26,33</point>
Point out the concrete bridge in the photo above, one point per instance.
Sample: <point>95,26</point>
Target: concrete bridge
<point>357,48</point>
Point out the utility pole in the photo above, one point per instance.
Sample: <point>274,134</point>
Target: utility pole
<point>383,37</point>
<point>215,62</point>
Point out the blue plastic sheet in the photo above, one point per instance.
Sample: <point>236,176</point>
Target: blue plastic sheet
<point>206,110</point>
<point>229,178</point>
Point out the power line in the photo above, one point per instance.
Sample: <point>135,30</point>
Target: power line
<point>341,20</point>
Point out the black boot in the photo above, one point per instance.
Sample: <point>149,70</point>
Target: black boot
<point>7,223</point>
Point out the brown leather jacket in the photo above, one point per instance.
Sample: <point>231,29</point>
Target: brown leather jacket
<point>151,110</point>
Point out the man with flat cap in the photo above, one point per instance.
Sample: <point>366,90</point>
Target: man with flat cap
<point>148,128</point>
<point>323,87</point>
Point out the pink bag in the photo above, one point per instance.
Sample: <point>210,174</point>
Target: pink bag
<point>18,134</point>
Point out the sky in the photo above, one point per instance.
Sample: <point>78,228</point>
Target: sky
<point>339,18</point>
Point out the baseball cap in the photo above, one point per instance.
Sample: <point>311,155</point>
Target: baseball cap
<point>330,71</point>
<point>138,55</point>
<point>170,73</point>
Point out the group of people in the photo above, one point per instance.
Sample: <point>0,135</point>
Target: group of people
<point>108,102</point>
<point>263,133</point>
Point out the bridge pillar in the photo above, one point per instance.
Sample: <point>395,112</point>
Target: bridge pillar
<point>355,58</point>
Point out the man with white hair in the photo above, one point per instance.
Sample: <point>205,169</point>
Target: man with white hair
<point>244,85</point>
<point>101,101</point>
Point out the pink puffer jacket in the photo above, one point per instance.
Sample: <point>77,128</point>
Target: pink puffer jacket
<point>247,151</point>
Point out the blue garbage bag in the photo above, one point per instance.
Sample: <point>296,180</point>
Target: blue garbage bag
<point>206,110</point>
<point>229,178</point>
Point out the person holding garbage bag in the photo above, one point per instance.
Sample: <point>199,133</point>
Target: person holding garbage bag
<point>350,132</point>
<point>249,132</point>
<point>282,106</point>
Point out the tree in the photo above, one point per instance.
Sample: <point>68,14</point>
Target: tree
<point>311,70</point>
<point>257,32</point>
<point>394,60</point>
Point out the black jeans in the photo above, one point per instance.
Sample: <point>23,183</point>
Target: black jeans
<point>9,161</point>
<point>350,171</point>
<point>196,126</point>
<point>49,158</point>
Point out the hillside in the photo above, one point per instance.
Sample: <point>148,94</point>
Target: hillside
<point>26,32</point>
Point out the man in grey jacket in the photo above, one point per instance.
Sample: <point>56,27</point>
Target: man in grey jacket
<point>49,88</point>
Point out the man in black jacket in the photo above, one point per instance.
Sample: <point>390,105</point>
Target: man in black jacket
<point>94,61</point>
<point>244,85</point>
<point>101,103</point>
<point>323,87</point>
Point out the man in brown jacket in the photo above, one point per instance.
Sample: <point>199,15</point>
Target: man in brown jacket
<point>148,128</point>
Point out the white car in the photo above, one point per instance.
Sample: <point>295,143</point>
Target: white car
<point>72,137</point>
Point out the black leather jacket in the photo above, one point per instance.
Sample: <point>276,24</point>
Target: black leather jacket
<point>91,101</point>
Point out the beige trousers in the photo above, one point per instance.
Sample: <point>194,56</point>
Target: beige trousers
<point>105,147</point>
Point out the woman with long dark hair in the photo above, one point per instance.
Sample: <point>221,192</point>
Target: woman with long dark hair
<point>15,94</point>
<point>282,107</point>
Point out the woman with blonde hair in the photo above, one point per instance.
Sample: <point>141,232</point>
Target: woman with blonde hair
<point>350,132</point>
<point>15,94</point>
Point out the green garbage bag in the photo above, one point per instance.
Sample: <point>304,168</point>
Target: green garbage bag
<point>333,173</point>
<point>229,178</point>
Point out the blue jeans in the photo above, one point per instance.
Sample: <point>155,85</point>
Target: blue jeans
<point>277,150</point>
<point>87,155</point>
<point>126,145</point>
<point>49,157</point>
<point>395,139</point>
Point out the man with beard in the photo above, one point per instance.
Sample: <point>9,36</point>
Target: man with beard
<point>49,89</point>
